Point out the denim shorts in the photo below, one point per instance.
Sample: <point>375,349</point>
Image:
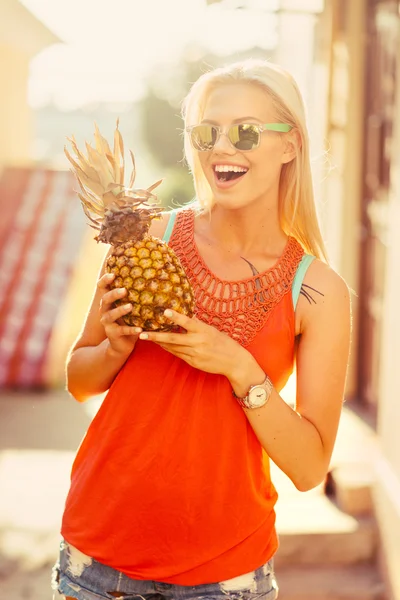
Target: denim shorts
<point>83,578</point>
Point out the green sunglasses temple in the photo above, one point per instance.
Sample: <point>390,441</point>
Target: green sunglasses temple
<point>281,127</point>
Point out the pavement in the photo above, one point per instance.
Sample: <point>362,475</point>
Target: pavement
<point>39,436</point>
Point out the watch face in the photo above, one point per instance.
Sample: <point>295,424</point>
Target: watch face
<point>258,397</point>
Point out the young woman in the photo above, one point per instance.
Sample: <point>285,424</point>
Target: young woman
<point>170,491</point>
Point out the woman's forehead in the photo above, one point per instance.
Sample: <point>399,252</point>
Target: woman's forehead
<point>237,101</point>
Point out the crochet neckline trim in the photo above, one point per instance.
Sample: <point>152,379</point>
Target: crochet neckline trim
<point>238,308</point>
<point>291,241</point>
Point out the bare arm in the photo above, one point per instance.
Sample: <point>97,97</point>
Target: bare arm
<point>301,441</point>
<point>103,346</point>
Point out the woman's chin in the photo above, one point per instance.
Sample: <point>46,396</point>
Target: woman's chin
<point>231,203</point>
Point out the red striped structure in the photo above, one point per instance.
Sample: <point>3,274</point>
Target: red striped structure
<point>41,230</point>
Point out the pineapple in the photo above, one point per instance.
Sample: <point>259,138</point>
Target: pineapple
<point>145,265</point>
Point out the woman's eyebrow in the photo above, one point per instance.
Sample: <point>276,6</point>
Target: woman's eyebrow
<point>240,120</point>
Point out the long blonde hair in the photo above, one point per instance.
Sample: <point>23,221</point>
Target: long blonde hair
<point>297,211</point>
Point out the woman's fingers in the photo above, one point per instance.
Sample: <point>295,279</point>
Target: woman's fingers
<point>188,323</point>
<point>175,349</point>
<point>113,323</point>
<point>126,330</point>
<point>179,339</point>
<point>105,280</point>
<point>122,338</point>
<point>115,330</point>
<point>110,297</point>
<point>111,316</point>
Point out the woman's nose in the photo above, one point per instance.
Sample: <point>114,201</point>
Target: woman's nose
<point>223,144</point>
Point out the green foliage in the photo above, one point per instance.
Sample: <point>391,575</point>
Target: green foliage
<point>177,188</point>
<point>162,124</point>
<point>163,128</point>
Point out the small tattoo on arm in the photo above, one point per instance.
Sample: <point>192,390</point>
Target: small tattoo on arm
<point>304,292</point>
<point>305,289</point>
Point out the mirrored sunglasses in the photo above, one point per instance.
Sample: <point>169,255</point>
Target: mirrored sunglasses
<point>243,136</point>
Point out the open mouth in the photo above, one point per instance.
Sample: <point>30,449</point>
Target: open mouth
<point>225,174</point>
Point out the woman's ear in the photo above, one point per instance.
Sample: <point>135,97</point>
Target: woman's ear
<point>292,143</point>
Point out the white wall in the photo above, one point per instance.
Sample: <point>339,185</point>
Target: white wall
<point>387,492</point>
<point>15,116</point>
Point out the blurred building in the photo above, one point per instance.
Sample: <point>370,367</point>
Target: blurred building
<point>360,44</point>
<point>41,225</point>
<point>21,37</point>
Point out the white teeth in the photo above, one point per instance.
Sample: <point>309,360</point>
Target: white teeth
<point>227,168</point>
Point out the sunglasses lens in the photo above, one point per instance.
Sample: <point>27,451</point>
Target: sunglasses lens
<point>244,136</point>
<point>204,137</point>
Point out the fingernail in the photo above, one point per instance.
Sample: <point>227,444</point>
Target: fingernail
<point>168,313</point>
<point>110,276</point>
<point>126,306</point>
<point>121,291</point>
<point>143,336</point>
<point>137,329</point>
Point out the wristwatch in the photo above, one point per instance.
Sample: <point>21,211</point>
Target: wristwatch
<point>258,395</point>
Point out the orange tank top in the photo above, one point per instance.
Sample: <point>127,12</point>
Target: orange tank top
<point>170,482</point>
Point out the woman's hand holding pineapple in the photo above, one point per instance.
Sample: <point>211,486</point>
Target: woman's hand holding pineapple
<point>201,346</point>
<point>121,337</point>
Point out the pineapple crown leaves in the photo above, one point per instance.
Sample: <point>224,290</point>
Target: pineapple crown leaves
<point>100,176</point>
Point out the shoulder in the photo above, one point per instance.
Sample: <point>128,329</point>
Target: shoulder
<point>320,273</point>
<point>325,296</point>
<point>159,226</point>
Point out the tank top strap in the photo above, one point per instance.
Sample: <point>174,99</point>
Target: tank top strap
<point>299,277</point>
<point>170,226</point>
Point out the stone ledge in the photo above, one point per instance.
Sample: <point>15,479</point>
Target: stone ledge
<point>344,548</point>
<point>335,583</point>
<point>352,486</point>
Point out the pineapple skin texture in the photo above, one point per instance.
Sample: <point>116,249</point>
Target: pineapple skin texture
<point>154,279</point>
